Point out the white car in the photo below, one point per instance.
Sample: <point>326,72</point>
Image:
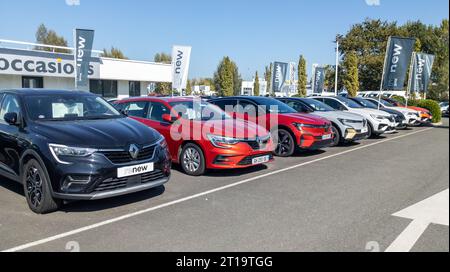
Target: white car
<point>347,127</point>
<point>412,116</point>
<point>444,108</point>
<point>380,122</point>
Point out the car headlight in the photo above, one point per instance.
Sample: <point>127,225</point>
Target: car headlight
<point>162,142</point>
<point>302,126</point>
<point>348,122</point>
<point>59,151</point>
<point>413,114</point>
<point>221,141</point>
<point>379,117</point>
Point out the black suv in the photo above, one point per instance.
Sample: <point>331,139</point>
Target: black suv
<point>72,145</point>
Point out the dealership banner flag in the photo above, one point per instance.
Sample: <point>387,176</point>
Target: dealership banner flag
<point>421,73</point>
<point>398,60</point>
<point>319,79</point>
<point>181,57</point>
<point>84,40</point>
<point>279,75</point>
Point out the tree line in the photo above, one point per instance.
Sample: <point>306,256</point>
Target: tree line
<point>362,52</point>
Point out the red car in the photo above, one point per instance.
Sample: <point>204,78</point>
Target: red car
<point>200,135</point>
<point>290,128</point>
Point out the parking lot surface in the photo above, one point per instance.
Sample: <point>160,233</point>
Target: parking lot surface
<point>340,199</point>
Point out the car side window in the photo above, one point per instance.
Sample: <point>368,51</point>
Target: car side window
<point>10,104</point>
<point>156,111</point>
<point>334,104</point>
<point>225,104</point>
<point>296,106</point>
<point>137,109</point>
<point>247,107</point>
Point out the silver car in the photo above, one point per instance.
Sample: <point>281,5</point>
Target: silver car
<point>347,127</point>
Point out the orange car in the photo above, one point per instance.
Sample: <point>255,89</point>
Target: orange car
<point>425,115</point>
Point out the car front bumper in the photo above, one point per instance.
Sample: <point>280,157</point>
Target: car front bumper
<point>96,177</point>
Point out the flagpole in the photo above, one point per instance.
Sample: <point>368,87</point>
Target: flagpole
<point>337,67</point>
<point>410,80</point>
<point>384,72</point>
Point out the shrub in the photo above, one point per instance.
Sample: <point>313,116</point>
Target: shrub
<point>433,107</point>
<point>400,99</point>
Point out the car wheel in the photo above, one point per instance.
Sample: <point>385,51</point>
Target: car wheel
<point>285,143</point>
<point>369,131</point>
<point>192,160</point>
<point>37,189</point>
<point>336,136</point>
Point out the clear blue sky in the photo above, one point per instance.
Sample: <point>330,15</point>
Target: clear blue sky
<point>253,33</point>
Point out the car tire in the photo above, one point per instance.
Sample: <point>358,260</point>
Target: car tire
<point>337,140</point>
<point>192,160</point>
<point>369,131</point>
<point>285,143</point>
<point>37,189</point>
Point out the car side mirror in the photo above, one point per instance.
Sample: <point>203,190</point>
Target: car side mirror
<point>124,112</point>
<point>12,119</point>
<point>169,118</point>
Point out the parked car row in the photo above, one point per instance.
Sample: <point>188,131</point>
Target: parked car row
<point>71,145</point>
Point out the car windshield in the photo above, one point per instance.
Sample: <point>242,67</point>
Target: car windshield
<point>198,111</point>
<point>349,103</point>
<point>317,105</point>
<point>67,107</point>
<point>386,103</point>
<point>272,105</point>
<point>365,103</point>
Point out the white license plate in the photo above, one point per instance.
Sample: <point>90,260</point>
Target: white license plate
<point>327,137</point>
<point>260,160</point>
<point>135,170</point>
<point>364,130</point>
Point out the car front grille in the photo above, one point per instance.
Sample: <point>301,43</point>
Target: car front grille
<point>119,157</point>
<point>258,145</point>
<point>121,183</point>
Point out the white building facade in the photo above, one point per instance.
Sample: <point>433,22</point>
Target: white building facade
<point>248,88</point>
<point>110,78</point>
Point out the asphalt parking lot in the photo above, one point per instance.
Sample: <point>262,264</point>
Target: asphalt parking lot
<point>339,199</point>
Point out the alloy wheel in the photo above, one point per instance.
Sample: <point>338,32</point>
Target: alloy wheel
<point>191,159</point>
<point>34,186</point>
<point>284,143</point>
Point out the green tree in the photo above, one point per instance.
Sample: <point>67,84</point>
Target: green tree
<point>351,76</point>
<point>189,88</point>
<point>268,78</point>
<point>369,40</point>
<point>163,88</point>
<point>439,89</point>
<point>256,85</point>
<point>302,77</point>
<point>224,78</point>
<point>113,53</point>
<point>50,37</point>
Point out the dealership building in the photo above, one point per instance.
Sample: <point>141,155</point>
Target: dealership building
<point>34,67</point>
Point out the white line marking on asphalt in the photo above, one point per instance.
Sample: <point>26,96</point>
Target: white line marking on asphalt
<point>127,216</point>
<point>433,210</point>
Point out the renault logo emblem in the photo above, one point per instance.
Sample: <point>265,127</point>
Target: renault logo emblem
<point>134,151</point>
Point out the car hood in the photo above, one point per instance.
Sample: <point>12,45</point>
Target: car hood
<point>96,133</point>
<point>235,128</point>
<point>371,111</point>
<point>403,110</point>
<point>338,115</point>
<point>304,118</point>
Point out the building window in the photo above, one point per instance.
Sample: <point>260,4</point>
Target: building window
<point>32,82</point>
<point>135,88</point>
<point>105,88</point>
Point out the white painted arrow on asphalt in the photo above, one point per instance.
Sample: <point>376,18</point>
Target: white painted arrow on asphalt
<point>434,210</point>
